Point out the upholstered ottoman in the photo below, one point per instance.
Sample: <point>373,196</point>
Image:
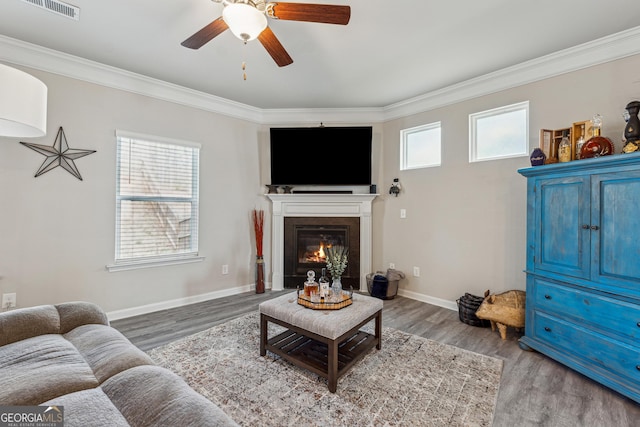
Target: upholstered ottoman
<point>326,342</point>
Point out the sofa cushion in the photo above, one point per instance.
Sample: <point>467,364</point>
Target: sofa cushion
<point>40,368</point>
<point>68,355</point>
<point>30,322</point>
<point>26,323</point>
<point>77,313</point>
<point>89,408</point>
<point>106,350</point>
<point>153,396</point>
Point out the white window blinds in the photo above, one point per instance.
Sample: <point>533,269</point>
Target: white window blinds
<point>156,198</point>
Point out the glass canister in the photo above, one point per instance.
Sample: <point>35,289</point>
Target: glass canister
<point>310,286</point>
<point>564,149</point>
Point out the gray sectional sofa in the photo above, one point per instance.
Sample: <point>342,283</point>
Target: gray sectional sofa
<point>67,355</point>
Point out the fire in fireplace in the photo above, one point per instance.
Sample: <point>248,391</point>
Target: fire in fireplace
<point>306,240</point>
<point>313,241</point>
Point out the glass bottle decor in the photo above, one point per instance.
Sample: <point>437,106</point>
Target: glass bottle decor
<point>311,286</point>
<point>597,145</point>
<point>564,149</point>
<point>580,142</point>
<point>324,284</point>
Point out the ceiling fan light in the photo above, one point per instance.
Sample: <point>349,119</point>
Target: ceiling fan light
<point>245,21</point>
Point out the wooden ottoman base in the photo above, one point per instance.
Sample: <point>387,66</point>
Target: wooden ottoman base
<point>329,358</point>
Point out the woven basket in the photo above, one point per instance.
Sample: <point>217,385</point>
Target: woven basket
<point>468,304</point>
<point>392,288</point>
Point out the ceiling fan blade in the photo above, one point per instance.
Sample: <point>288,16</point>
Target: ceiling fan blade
<point>323,13</point>
<point>206,34</point>
<point>274,47</point>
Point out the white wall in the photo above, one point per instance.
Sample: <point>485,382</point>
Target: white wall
<point>57,233</point>
<point>465,225</point>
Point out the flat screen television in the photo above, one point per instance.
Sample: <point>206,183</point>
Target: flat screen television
<point>321,156</point>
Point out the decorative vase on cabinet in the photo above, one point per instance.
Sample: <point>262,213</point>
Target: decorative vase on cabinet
<point>583,277</point>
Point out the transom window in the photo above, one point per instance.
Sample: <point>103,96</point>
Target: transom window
<point>156,199</point>
<point>420,146</point>
<point>499,133</point>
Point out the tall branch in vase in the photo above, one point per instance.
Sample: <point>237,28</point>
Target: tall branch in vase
<point>337,258</point>
<point>258,226</point>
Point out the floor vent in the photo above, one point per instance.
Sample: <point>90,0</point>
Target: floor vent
<point>58,7</point>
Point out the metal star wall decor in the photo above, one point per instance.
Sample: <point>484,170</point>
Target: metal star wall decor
<point>59,155</point>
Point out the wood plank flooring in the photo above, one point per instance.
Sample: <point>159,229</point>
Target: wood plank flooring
<point>535,390</point>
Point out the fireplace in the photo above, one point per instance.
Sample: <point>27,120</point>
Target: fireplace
<point>306,240</point>
<point>325,206</point>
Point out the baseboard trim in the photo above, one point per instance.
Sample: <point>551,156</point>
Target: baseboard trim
<point>179,302</point>
<point>451,305</point>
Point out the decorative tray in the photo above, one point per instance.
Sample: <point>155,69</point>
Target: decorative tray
<point>314,302</point>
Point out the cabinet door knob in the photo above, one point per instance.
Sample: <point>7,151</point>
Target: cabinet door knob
<point>595,227</point>
<point>548,329</point>
<point>638,367</point>
<point>585,226</point>
<point>638,324</point>
<point>547,297</point>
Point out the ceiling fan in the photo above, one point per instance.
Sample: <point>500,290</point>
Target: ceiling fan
<point>247,20</point>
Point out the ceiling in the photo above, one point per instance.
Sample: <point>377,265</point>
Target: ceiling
<point>389,52</point>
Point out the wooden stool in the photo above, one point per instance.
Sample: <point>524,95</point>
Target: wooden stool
<point>502,310</point>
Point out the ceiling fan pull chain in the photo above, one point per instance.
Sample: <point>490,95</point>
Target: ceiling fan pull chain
<point>244,74</point>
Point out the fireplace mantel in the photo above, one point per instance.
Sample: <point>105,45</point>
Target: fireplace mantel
<point>319,205</point>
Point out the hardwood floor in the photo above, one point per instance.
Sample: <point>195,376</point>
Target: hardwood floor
<point>535,390</point>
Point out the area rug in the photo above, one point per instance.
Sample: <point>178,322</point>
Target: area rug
<point>411,381</point>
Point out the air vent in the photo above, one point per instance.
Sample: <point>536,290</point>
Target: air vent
<point>57,7</point>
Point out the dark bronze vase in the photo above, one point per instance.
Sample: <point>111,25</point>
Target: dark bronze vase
<point>259,275</point>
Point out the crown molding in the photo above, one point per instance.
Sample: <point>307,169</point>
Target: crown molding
<point>37,57</point>
<point>313,116</point>
<point>605,49</point>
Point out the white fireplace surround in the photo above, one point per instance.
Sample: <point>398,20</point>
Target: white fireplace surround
<point>319,205</point>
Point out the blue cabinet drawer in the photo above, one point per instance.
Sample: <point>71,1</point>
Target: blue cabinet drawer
<point>621,359</point>
<point>614,316</point>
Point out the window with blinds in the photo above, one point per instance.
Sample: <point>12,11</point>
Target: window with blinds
<point>156,198</point>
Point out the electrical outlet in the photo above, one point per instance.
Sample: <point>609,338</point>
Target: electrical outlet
<point>392,266</point>
<point>8,301</point>
<point>416,271</point>
<point>225,269</point>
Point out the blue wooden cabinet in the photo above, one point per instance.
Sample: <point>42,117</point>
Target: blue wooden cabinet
<point>583,267</point>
